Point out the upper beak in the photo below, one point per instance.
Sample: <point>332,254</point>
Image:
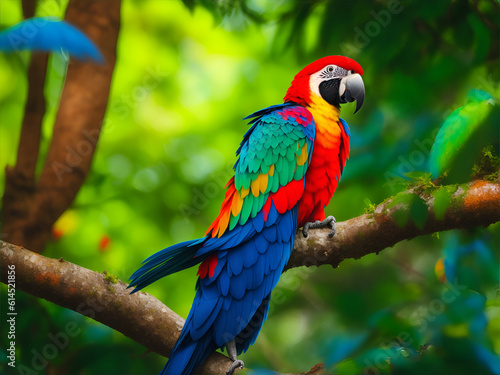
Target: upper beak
<point>352,88</point>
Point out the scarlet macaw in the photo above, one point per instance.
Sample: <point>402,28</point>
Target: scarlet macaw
<point>289,165</point>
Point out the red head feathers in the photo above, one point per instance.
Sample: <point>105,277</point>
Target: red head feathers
<point>299,91</point>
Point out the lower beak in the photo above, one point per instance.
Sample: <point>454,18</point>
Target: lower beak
<point>352,88</point>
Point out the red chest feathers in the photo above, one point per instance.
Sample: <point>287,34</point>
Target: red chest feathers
<point>331,150</point>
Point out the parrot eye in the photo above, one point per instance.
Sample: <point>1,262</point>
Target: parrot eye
<point>329,71</point>
<point>352,71</point>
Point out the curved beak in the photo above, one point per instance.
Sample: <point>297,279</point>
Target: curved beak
<point>352,88</point>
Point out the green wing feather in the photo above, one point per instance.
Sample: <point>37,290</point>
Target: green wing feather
<point>458,128</point>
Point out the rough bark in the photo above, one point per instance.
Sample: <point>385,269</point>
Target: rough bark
<point>147,321</point>
<point>31,208</point>
<point>101,297</point>
<point>476,204</point>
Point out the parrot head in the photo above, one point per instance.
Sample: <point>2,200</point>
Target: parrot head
<point>335,79</point>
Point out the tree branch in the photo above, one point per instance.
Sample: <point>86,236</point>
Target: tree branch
<point>147,321</point>
<point>102,297</point>
<point>471,205</point>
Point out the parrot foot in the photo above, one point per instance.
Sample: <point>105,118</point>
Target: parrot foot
<point>236,364</point>
<point>231,351</point>
<point>328,222</point>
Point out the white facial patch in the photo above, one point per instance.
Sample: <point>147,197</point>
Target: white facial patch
<point>328,72</point>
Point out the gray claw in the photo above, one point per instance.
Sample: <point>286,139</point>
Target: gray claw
<point>305,229</point>
<point>328,222</point>
<point>231,351</point>
<point>236,364</point>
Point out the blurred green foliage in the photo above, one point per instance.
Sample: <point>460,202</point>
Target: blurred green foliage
<point>187,73</point>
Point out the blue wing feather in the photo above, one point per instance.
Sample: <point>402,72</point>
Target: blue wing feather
<point>48,34</point>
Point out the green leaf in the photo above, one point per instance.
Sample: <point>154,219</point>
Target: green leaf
<point>411,207</point>
<point>417,175</point>
<point>418,212</point>
<point>419,179</point>
<point>457,130</point>
<point>369,206</point>
<point>442,200</point>
<point>401,217</point>
<point>402,214</point>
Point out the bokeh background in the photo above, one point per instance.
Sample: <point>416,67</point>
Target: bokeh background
<point>186,74</point>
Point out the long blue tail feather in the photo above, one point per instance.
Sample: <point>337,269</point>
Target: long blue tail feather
<point>189,355</point>
<point>166,262</point>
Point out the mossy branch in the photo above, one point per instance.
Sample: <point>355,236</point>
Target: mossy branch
<point>419,211</point>
<point>100,296</point>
